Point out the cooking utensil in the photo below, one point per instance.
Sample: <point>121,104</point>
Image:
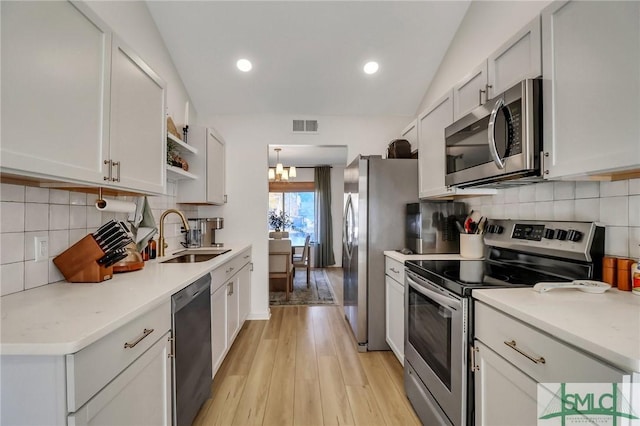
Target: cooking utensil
<point>588,286</point>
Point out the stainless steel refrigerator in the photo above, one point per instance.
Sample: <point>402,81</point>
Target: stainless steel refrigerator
<point>376,192</point>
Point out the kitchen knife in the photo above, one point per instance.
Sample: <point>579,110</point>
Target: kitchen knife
<point>104,228</point>
<point>117,259</point>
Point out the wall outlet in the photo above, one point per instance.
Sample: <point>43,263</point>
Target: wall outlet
<point>41,248</point>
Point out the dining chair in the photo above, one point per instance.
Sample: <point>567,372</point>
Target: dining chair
<point>301,260</point>
<point>280,264</point>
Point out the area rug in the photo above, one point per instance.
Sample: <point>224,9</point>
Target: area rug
<point>318,293</point>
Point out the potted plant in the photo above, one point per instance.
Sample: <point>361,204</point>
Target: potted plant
<point>278,221</point>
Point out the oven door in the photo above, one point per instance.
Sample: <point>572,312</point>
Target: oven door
<point>498,140</point>
<point>435,343</point>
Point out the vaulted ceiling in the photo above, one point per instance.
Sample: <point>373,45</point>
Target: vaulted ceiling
<point>307,56</point>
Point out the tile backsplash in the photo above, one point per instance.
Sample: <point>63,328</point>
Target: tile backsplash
<point>615,205</point>
<point>64,217</point>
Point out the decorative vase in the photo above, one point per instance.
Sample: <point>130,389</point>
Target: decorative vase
<point>277,235</point>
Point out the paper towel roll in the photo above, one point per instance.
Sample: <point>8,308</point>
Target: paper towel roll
<point>116,206</point>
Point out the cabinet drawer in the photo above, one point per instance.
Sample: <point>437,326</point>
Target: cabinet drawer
<point>562,363</point>
<point>224,272</point>
<point>90,369</point>
<point>394,269</point>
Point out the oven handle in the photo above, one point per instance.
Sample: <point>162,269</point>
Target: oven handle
<point>440,299</point>
<point>493,149</point>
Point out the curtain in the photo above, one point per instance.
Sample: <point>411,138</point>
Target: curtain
<point>324,229</point>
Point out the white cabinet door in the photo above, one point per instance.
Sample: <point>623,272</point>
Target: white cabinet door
<point>504,395</point>
<point>209,167</point>
<point>219,340</point>
<point>141,394</point>
<point>244,292</point>
<point>517,59</point>
<point>394,316</point>
<point>55,90</point>
<point>137,131</point>
<point>233,309</point>
<point>471,92</point>
<point>410,133</point>
<point>431,160</point>
<point>215,168</point>
<point>591,89</point>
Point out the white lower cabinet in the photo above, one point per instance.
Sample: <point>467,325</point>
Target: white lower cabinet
<point>394,308</point>
<point>510,358</point>
<point>122,379</point>
<point>230,304</point>
<point>218,327</point>
<point>140,395</point>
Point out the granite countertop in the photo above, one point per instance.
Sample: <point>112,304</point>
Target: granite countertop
<point>62,318</point>
<point>606,325</point>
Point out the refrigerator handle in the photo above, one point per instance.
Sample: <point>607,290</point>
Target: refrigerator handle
<point>347,227</point>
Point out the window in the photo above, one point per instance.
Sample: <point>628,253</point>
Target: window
<point>300,206</point>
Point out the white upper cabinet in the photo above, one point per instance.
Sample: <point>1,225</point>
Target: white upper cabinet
<point>410,133</point>
<point>591,89</point>
<point>518,58</point>
<point>55,90</point>
<point>431,158</point>
<point>471,92</point>
<point>137,134</point>
<point>208,166</point>
<point>77,105</point>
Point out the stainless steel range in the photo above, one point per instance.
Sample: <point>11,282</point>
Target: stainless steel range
<point>439,307</point>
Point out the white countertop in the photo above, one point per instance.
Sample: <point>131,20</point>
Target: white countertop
<point>606,325</point>
<point>403,257</point>
<point>62,318</point>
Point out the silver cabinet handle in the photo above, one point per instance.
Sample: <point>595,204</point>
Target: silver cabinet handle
<point>109,170</point>
<point>145,333</point>
<point>230,289</point>
<point>512,345</point>
<point>480,92</point>
<point>493,149</point>
<point>394,270</point>
<point>117,164</point>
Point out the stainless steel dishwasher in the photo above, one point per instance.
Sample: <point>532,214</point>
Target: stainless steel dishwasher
<point>191,321</point>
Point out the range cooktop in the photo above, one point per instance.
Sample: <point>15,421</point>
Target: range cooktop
<point>521,254</point>
<point>462,276</point>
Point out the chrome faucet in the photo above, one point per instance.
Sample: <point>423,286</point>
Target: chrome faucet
<point>161,243</point>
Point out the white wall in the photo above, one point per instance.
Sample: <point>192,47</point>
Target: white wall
<point>247,139</point>
<point>486,25</point>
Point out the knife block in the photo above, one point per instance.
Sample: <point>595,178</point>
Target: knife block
<point>79,263</point>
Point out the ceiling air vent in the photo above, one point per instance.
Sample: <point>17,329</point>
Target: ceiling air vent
<point>305,126</point>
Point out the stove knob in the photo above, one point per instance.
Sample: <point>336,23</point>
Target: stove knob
<point>561,234</point>
<point>574,235</point>
<point>549,233</point>
<point>498,229</point>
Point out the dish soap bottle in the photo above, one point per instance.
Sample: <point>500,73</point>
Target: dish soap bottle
<point>635,278</point>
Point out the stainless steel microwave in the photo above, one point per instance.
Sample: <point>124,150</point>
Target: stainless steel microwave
<point>498,141</point>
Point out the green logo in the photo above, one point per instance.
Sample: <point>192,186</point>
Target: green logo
<point>587,403</point>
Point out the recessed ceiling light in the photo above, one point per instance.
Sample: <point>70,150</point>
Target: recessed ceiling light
<point>371,67</point>
<point>244,65</point>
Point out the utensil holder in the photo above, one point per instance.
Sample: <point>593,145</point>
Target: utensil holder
<point>79,263</point>
<point>471,246</point>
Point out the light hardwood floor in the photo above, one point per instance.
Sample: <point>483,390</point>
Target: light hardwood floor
<point>302,368</point>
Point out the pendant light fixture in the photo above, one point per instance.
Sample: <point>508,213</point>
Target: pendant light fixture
<point>281,173</point>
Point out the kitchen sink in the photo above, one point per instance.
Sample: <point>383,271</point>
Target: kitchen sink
<point>194,256</point>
